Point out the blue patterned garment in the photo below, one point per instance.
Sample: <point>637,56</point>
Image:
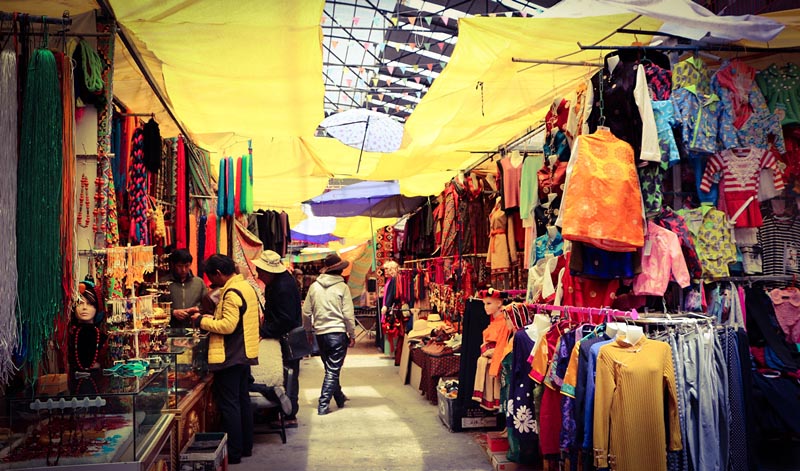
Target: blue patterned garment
<point>665,113</point>
<point>762,123</point>
<point>545,246</point>
<point>699,113</point>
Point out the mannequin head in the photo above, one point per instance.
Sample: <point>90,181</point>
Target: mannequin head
<point>87,308</point>
<point>492,301</point>
<point>390,268</point>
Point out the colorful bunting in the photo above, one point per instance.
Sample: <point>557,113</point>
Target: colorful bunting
<point>442,64</point>
<point>430,79</point>
<point>444,19</point>
<point>380,96</point>
<point>402,69</point>
<point>412,45</point>
<point>390,68</point>
<point>415,67</point>
<point>419,94</point>
<point>441,45</point>
<point>427,46</point>
<point>417,78</point>
<point>381,47</point>
<point>429,66</point>
<point>428,20</point>
<point>412,20</point>
<point>367,45</point>
<point>393,20</point>
<point>356,20</point>
<point>334,44</point>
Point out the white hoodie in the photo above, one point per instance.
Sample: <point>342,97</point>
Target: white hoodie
<point>329,306</point>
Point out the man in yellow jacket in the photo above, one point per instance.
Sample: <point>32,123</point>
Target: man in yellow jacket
<point>232,348</point>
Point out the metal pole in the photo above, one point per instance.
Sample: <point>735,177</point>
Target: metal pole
<point>361,152</point>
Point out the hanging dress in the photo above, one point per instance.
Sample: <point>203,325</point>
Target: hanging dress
<point>502,246</point>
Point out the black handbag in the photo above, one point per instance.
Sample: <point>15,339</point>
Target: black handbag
<point>295,345</point>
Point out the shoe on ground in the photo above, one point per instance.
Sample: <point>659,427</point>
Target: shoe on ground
<point>340,400</point>
<point>234,460</point>
<point>286,403</point>
<point>323,410</point>
<point>287,423</point>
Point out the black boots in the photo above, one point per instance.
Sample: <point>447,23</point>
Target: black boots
<point>340,399</point>
<point>322,410</point>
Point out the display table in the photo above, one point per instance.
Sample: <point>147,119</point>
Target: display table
<point>434,368</point>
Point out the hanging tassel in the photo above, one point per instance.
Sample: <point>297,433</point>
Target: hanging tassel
<point>250,183</point>
<point>8,218</point>
<point>38,207</point>
<point>138,189</point>
<point>222,187</point>
<point>181,203</point>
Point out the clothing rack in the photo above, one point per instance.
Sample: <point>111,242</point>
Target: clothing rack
<point>687,48</point>
<point>591,311</point>
<point>752,278</point>
<point>556,62</point>
<point>152,115</point>
<point>418,260</point>
<point>502,149</point>
<point>48,20</point>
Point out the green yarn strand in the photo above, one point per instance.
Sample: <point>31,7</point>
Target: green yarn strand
<point>38,208</point>
<point>92,66</point>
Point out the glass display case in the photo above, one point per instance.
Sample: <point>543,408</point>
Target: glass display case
<point>95,418</point>
<point>187,355</point>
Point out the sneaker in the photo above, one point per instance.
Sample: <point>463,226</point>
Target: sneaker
<point>286,403</point>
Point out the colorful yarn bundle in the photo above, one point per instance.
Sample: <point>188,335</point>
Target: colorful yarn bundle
<point>8,218</point>
<point>226,192</point>
<point>138,189</point>
<point>69,229</point>
<point>39,206</point>
<point>181,207</point>
<point>222,188</point>
<point>244,182</point>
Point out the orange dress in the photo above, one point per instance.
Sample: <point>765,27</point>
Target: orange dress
<point>602,202</point>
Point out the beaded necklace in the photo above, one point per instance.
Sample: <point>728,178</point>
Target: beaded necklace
<point>96,350</point>
<point>84,202</point>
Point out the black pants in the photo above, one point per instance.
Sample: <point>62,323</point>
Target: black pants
<point>293,389</point>
<point>332,349</point>
<point>231,391</point>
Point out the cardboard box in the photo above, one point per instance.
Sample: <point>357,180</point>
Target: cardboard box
<point>496,443</point>
<point>446,413</point>
<point>501,463</point>
<point>416,376</point>
<point>205,452</point>
<point>475,416</point>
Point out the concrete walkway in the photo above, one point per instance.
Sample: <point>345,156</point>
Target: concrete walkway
<point>384,426</point>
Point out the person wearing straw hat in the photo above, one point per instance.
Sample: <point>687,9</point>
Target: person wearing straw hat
<point>328,309</point>
<point>281,314</point>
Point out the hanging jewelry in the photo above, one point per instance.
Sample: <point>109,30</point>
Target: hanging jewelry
<point>84,202</point>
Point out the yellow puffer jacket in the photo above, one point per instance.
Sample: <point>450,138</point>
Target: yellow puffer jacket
<point>227,346</point>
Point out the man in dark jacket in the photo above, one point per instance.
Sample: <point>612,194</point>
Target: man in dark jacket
<point>281,314</point>
<point>185,290</point>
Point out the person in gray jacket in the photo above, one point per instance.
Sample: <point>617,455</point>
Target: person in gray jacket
<point>328,308</point>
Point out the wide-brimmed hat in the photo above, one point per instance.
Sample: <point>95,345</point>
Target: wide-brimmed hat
<point>270,262</point>
<point>420,329</point>
<point>434,321</point>
<point>333,262</point>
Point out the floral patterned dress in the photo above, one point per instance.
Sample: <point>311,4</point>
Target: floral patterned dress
<point>523,430</point>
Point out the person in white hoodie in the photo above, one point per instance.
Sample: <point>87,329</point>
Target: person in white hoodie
<point>328,310</point>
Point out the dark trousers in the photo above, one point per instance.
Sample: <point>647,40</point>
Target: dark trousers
<point>332,349</point>
<point>293,389</point>
<point>231,391</point>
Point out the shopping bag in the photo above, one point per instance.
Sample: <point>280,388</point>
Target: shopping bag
<point>295,344</point>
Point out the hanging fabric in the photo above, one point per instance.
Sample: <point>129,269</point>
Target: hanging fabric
<point>193,240</point>
<point>237,198</point>
<point>230,197</point>
<point>181,206</point>
<point>152,146</point>
<point>249,200</point>
<point>8,219</point>
<point>222,187</point>
<point>38,249</point>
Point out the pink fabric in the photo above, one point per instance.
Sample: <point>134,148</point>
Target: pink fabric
<point>661,258</point>
<point>740,290</point>
<point>787,310</point>
<point>512,180</point>
<point>738,78</point>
